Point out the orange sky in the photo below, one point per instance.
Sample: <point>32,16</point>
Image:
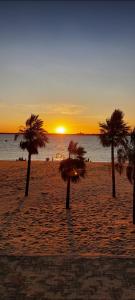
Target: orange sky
<point>51,123</point>
<point>51,127</point>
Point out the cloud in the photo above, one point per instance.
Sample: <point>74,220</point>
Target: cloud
<point>52,109</point>
<point>59,109</point>
<point>65,109</point>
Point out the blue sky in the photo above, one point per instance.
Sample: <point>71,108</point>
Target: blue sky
<point>72,63</point>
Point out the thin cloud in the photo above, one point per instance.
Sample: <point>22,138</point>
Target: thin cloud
<point>64,109</point>
<point>61,109</point>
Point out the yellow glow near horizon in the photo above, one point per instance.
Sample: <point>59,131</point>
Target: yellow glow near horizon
<point>60,130</point>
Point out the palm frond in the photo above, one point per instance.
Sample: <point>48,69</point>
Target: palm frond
<point>33,134</point>
<point>80,152</point>
<point>132,135</point>
<point>75,150</point>
<point>127,153</point>
<point>114,129</point>
<point>72,148</point>
<point>73,168</point>
<point>105,139</point>
<point>24,145</point>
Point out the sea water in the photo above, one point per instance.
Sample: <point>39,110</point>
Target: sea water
<point>56,148</point>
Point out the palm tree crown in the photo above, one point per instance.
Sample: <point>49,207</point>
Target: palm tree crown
<point>34,136</point>
<point>75,150</point>
<point>73,168</point>
<point>127,154</point>
<point>72,148</point>
<point>114,129</point>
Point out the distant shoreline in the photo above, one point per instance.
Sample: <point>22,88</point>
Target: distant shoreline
<point>94,134</point>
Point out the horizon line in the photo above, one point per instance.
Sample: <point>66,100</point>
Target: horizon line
<point>55,133</point>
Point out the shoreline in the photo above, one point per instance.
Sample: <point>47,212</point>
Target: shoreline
<point>95,162</point>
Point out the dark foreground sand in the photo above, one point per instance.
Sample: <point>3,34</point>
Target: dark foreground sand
<point>81,241</point>
<point>65,278</point>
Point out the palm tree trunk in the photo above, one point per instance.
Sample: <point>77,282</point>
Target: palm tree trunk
<point>134,196</point>
<point>68,194</point>
<point>113,171</point>
<point>28,175</point>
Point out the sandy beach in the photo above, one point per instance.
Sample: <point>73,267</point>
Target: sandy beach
<point>95,225</point>
<point>49,253</point>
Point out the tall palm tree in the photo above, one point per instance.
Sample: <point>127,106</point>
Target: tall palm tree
<point>34,137</point>
<point>128,154</point>
<point>113,132</point>
<point>72,168</point>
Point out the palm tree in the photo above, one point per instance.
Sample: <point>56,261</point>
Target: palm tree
<point>128,154</point>
<point>113,132</point>
<point>34,137</point>
<point>73,168</point>
<point>72,148</point>
<point>75,150</point>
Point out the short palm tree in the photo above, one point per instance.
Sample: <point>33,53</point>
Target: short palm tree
<point>75,150</point>
<point>72,148</point>
<point>34,137</point>
<point>73,168</point>
<point>128,154</point>
<point>113,132</point>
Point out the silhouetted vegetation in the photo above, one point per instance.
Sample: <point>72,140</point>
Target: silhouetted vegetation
<point>128,154</point>
<point>73,168</point>
<point>34,137</point>
<point>113,133</point>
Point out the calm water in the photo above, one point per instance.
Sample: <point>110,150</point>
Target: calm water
<point>56,148</point>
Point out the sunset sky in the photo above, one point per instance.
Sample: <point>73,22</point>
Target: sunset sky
<point>72,63</point>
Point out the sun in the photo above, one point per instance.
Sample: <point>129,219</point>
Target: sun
<point>60,130</point>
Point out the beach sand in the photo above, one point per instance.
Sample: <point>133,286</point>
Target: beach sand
<point>96,224</point>
<point>49,253</point>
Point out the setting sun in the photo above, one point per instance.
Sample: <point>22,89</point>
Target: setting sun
<point>60,130</point>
